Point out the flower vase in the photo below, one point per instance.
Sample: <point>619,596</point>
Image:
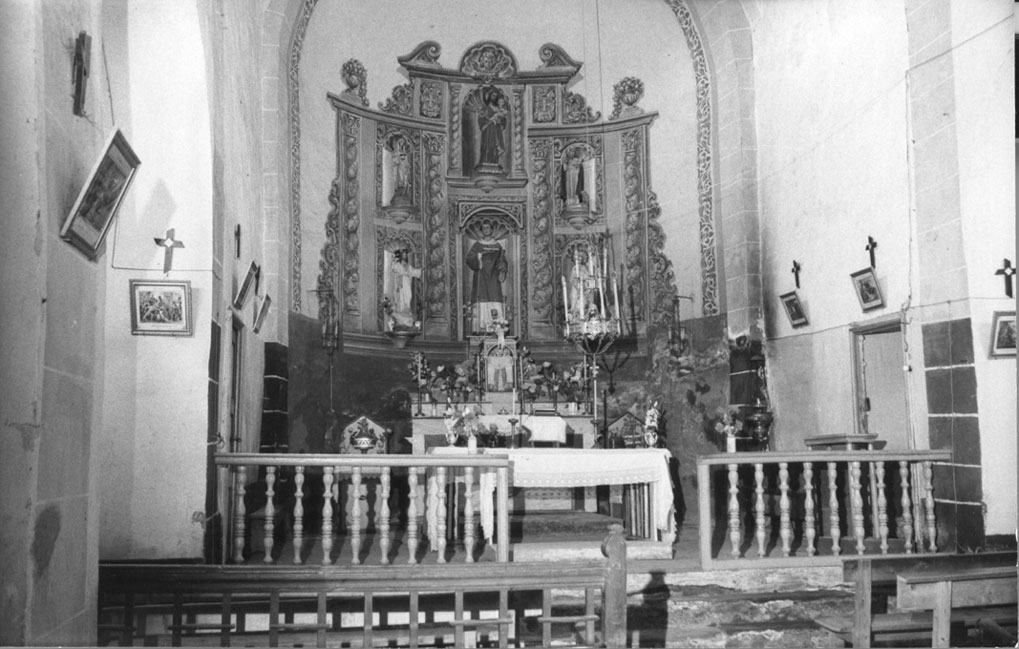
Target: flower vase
<point>472,443</point>
<point>730,443</point>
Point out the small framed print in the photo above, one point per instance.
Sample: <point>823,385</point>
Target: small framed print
<point>867,289</point>
<point>793,309</point>
<point>160,308</point>
<point>92,214</point>
<point>251,277</point>
<point>1003,334</point>
<point>261,312</point>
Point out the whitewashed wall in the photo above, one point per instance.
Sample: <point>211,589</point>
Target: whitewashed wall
<point>155,414</point>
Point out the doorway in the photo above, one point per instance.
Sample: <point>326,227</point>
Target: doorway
<point>882,400</point>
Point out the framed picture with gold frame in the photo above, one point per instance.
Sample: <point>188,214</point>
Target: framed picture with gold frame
<point>1003,334</point>
<point>160,307</point>
<point>794,309</point>
<point>867,289</point>
<point>99,199</point>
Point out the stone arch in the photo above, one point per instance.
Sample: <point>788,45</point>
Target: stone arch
<point>721,45</point>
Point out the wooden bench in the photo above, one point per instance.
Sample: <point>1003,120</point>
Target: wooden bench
<point>945,592</point>
<point>876,580</point>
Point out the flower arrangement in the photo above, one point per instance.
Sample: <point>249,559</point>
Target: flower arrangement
<point>626,93</point>
<point>355,76</point>
<point>451,383</point>
<point>728,425</point>
<point>387,310</point>
<point>572,386</point>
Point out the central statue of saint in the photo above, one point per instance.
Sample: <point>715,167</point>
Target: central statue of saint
<point>487,258</point>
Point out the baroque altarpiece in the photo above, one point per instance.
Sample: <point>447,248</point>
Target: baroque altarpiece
<point>471,195</point>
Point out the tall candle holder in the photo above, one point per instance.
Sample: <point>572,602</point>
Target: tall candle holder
<point>592,321</point>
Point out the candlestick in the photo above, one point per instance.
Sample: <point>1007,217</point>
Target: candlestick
<point>566,302</point>
<point>615,294</point>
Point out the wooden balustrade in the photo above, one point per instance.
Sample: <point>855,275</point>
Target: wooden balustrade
<point>565,603</point>
<point>808,508</point>
<point>359,474</point>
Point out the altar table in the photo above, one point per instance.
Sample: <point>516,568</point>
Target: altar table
<point>427,432</point>
<point>567,467</point>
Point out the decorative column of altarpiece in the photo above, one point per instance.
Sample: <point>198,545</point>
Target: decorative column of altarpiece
<point>486,142</point>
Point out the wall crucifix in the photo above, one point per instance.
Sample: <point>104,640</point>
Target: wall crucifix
<point>1007,272</point>
<point>169,243</point>
<point>870,248</point>
<point>796,272</point>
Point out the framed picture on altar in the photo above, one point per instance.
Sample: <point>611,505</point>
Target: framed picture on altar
<point>160,307</point>
<point>1003,334</point>
<point>867,289</point>
<point>793,309</point>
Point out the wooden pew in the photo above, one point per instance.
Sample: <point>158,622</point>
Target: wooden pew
<point>945,591</point>
<point>876,579</point>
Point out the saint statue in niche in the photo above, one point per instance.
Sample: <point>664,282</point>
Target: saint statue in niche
<point>487,259</point>
<point>574,193</point>
<point>582,285</point>
<point>400,161</point>
<point>492,121</point>
<point>403,274</point>
<point>488,113</point>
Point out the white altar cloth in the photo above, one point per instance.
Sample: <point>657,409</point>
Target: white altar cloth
<point>564,467</point>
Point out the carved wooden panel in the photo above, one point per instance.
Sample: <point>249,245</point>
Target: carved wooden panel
<point>351,127</point>
<point>634,229</point>
<point>435,216</point>
<point>541,183</point>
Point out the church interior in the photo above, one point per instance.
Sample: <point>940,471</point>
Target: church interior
<point>736,276</point>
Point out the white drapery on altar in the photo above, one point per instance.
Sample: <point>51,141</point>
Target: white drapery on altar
<point>561,467</point>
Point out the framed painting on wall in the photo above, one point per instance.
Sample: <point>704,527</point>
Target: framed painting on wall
<point>867,289</point>
<point>1003,334</point>
<point>793,309</point>
<point>251,277</point>
<point>160,308</point>
<point>92,214</point>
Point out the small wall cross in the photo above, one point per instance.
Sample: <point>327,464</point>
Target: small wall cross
<point>796,272</point>
<point>1007,271</point>
<point>871,247</point>
<point>169,243</point>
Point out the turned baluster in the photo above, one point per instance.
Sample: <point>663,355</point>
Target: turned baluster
<point>882,506</point>
<point>239,514</point>
<point>735,537</point>
<point>327,515</point>
<point>784,506</point>
<point>759,509</point>
<point>270,512</point>
<point>412,515</point>
<point>856,497</point>
<point>808,508</point>
<point>440,513</point>
<point>833,507</point>
<point>928,487</point>
<point>355,515</point>
<point>469,513</point>
<point>907,507</point>
<point>383,517</point>
<point>298,512</point>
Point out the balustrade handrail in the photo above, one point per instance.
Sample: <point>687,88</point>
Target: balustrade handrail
<point>786,503</point>
<point>773,457</point>
<point>356,468</point>
<point>488,460</point>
